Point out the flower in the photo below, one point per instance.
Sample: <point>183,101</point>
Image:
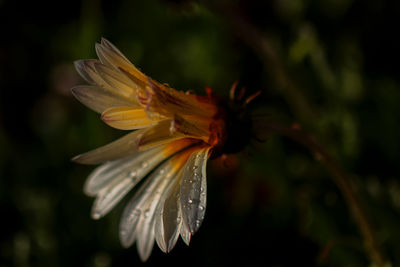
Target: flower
<point>175,134</point>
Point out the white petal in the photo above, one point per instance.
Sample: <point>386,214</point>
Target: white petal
<point>114,180</point>
<point>134,167</point>
<point>168,217</point>
<point>98,98</point>
<point>119,148</point>
<point>193,190</point>
<point>109,197</point>
<point>143,206</point>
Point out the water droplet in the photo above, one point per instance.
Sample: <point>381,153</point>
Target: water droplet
<point>190,201</point>
<point>203,194</point>
<point>137,212</point>
<point>178,219</point>
<point>198,223</point>
<point>144,164</point>
<point>194,167</point>
<point>132,174</point>
<point>146,213</point>
<point>201,207</point>
<point>201,189</point>
<point>162,171</point>
<point>96,215</point>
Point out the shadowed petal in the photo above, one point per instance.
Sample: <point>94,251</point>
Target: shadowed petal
<point>157,135</point>
<point>168,217</point>
<point>193,190</point>
<point>184,231</point>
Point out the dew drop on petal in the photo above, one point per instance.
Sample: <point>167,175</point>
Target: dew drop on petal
<point>190,201</point>
<point>146,213</point>
<point>132,174</point>
<point>144,164</point>
<point>96,215</point>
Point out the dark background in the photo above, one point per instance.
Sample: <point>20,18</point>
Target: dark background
<point>274,205</point>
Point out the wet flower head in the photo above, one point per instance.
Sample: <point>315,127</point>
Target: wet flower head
<point>174,135</point>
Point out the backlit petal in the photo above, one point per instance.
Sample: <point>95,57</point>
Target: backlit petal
<point>121,147</point>
<point>98,98</point>
<point>117,80</point>
<point>111,56</point>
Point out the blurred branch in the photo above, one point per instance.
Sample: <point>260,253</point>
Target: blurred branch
<point>261,45</point>
<point>342,181</point>
<point>259,42</point>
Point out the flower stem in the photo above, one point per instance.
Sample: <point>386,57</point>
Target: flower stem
<point>342,181</point>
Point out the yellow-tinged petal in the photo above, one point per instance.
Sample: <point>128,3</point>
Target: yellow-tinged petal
<point>126,118</point>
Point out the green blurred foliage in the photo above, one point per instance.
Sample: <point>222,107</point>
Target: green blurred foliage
<point>275,205</point>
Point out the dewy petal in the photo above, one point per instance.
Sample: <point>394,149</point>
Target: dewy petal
<point>193,195</point>
<point>137,220</point>
<point>126,118</point>
<point>168,217</point>
<point>133,168</point>
<point>121,147</point>
<point>98,98</point>
<point>108,198</point>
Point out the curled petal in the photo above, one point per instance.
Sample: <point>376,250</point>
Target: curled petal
<point>126,118</point>
<point>193,195</point>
